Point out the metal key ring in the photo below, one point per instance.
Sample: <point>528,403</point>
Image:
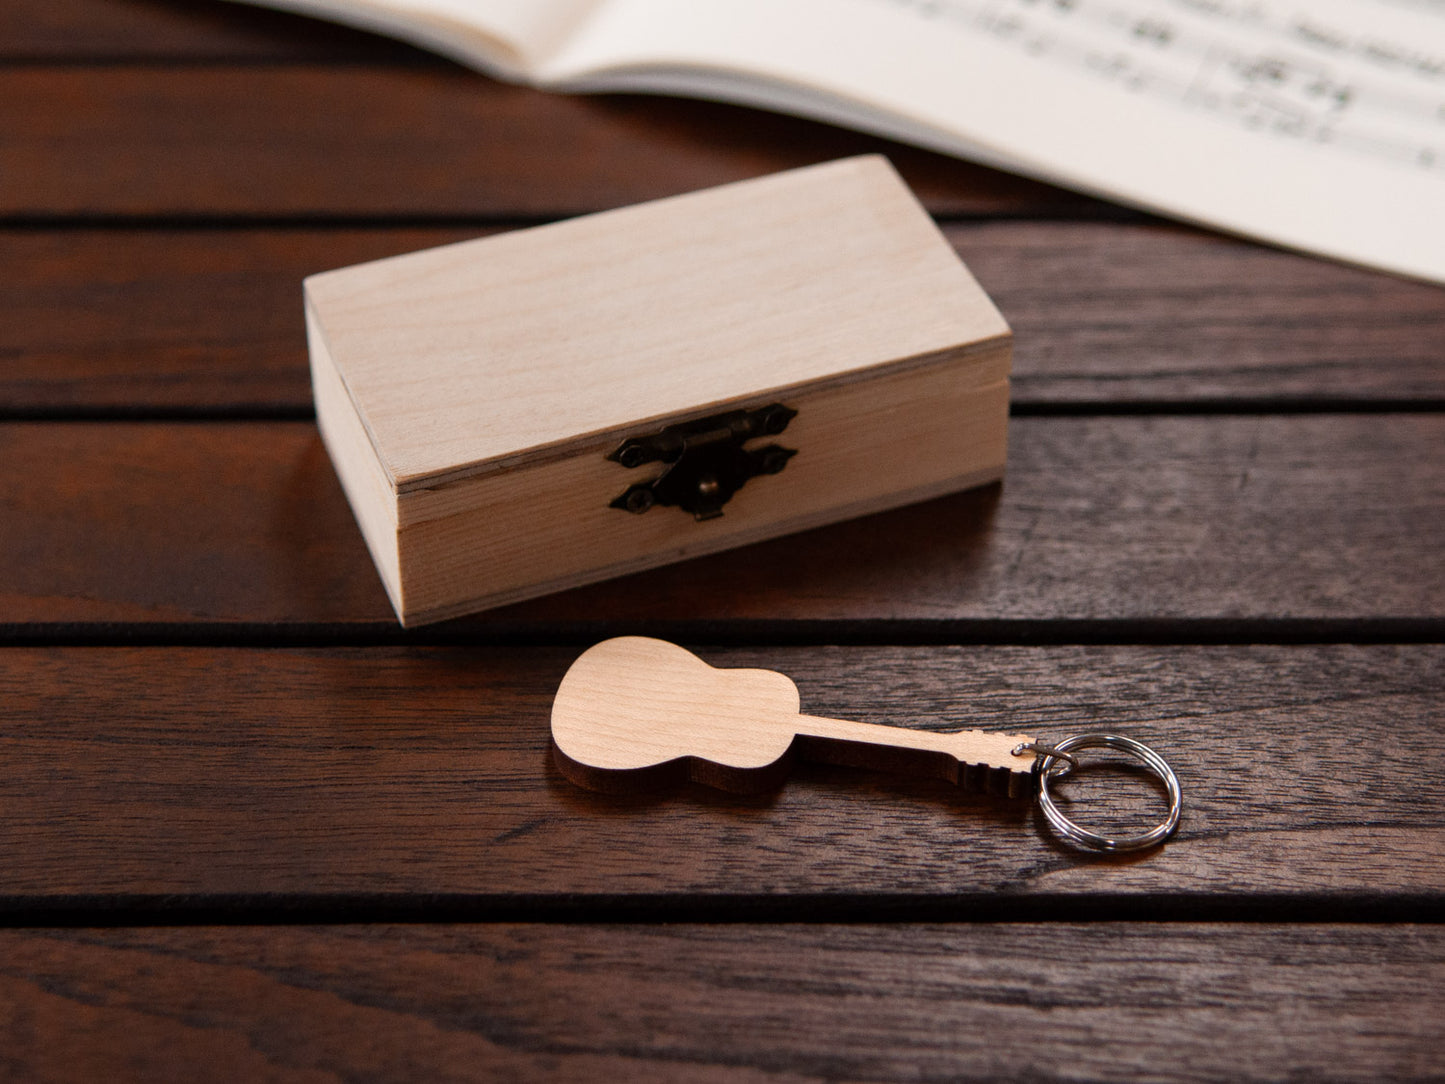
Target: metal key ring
<point>1082,837</point>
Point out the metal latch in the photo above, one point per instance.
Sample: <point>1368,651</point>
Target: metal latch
<point>706,460</point>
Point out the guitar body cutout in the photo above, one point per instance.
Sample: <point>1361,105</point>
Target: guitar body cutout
<point>634,713</point>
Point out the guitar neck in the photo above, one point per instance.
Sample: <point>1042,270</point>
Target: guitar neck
<point>888,747</point>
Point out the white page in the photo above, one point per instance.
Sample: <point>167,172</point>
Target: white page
<point>509,38</point>
<point>1318,126</point>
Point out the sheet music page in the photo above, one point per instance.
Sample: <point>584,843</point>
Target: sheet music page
<point>1318,125</point>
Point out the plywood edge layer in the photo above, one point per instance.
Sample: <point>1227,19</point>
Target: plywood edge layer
<point>316,333</point>
<point>971,480</point>
<point>367,489</point>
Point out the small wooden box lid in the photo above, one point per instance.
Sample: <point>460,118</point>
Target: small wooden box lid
<point>502,351</point>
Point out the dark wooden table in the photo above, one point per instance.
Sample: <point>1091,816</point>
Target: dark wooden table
<point>251,830</point>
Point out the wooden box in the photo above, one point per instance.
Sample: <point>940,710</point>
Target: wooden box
<point>540,409</point>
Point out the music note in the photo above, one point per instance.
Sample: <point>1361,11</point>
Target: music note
<point>1330,82</point>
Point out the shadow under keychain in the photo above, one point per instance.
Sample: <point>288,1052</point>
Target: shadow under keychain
<point>634,713</point>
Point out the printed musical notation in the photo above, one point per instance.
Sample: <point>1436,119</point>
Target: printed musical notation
<point>1251,63</point>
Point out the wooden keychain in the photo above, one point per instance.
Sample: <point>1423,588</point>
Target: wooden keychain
<point>634,713</point>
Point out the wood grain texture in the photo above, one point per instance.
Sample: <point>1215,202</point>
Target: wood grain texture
<point>146,319</point>
<point>292,785</point>
<point>77,31</point>
<point>634,713</point>
<point>1118,518</point>
<point>1111,314</point>
<point>410,141</point>
<point>210,319</point>
<point>522,535</point>
<point>359,779</point>
<point>1183,1002</point>
<point>470,395</point>
<point>498,352</point>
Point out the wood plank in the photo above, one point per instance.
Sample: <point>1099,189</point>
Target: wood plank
<point>181,30</point>
<point>136,320</point>
<point>347,783</point>
<point>1309,517</point>
<point>142,319</point>
<point>307,142</point>
<point>1109,313</point>
<point>1183,1002</point>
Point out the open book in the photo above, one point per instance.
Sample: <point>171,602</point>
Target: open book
<point>1318,126</point>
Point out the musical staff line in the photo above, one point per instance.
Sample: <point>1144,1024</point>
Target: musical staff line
<point>1248,63</point>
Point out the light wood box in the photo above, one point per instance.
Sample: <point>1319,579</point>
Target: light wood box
<point>470,396</point>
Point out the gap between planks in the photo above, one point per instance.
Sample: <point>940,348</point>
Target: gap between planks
<point>294,412</point>
<point>1044,632</point>
<point>128,911</point>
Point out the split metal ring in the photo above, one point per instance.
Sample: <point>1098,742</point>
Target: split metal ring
<point>1049,768</point>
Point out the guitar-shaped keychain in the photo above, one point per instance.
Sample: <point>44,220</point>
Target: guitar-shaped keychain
<point>634,713</point>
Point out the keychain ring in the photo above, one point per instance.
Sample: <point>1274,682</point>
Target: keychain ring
<point>1050,767</point>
